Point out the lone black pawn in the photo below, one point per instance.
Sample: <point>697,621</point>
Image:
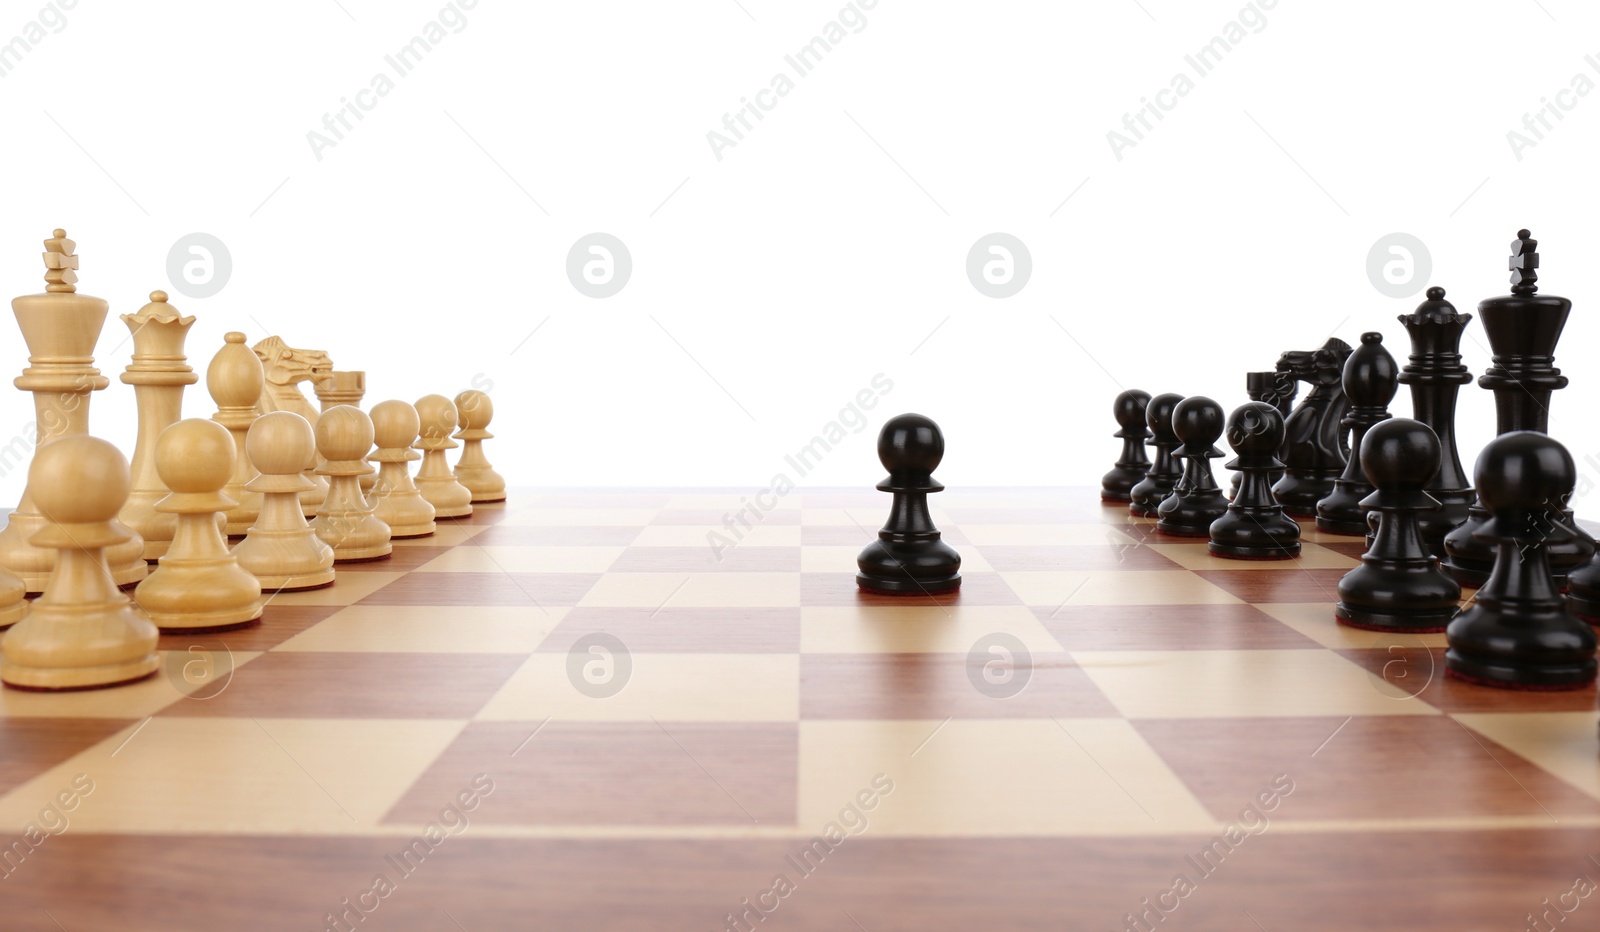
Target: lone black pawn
<point>1148,494</point>
<point>908,558</point>
<point>1399,585</point>
<point>1196,501</point>
<point>1518,632</point>
<point>1255,527</point>
<point>1131,466</point>
<point>1371,377</point>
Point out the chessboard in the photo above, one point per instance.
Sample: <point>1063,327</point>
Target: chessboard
<point>574,711</point>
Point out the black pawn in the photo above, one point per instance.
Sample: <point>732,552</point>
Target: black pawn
<point>1371,378</point>
<point>1523,328</point>
<point>1255,527</point>
<point>1131,466</point>
<point>908,558</point>
<point>1435,375</point>
<point>1196,501</point>
<point>1518,633</point>
<point>1276,389</point>
<point>1399,585</point>
<point>1148,493</point>
<point>1314,448</point>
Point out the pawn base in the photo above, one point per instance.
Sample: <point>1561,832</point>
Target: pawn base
<point>907,586</point>
<point>1410,623</point>
<point>1239,552</point>
<point>1583,607</point>
<point>1175,529</point>
<point>154,550</point>
<point>77,678</point>
<point>1552,678</point>
<point>210,629</point>
<point>408,531</point>
<point>1343,527</point>
<point>363,554</point>
<point>1111,496</point>
<point>297,583</point>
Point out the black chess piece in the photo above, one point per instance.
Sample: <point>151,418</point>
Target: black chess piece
<point>1523,328</point>
<point>1517,633</point>
<point>1196,501</point>
<point>1276,388</point>
<point>1435,375</point>
<point>908,558</point>
<point>1255,527</point>
<point>1131,466</point>
<point>1370,380</point>
<point>1314,446</point>
<point>1148,493</point>
<point>1399,585</point>
<point>1583,591</point>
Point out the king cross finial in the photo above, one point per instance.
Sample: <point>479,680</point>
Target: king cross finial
<point>61,263</point>
<point>1524,264</point>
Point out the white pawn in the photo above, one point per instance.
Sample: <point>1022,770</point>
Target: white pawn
<point>281,549</point>
<point>83,632</point>
<point>198,586</point>
<point>235,380</point>
<point>449,498</point>
<point>473,469</point>
<point>395,498</point>
<point>345,519</point>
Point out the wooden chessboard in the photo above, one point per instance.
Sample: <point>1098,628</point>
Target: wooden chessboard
<point>1178,715</point>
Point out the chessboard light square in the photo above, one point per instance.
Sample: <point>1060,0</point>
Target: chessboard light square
<point>693,535</point>
<point>1242,684</point>
<point>1066,535</point>
<point>695,590</point>
<point>731,502</point>
<point>348,588</point>
<point>580,517</point>
<point>1315,621</point>
<point>986,777</point>
<point>921,629</point>
<point>816,558</point>
<point>135,700</point>
<point>1560,742</point>
<point>1312,557</point>
<point>486,629</point>
<point>1122,587</point>
<point>665,687</point>
<point>230,775</point>
<point>505,559</point>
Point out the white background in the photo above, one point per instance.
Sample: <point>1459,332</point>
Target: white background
<point>830,244</point>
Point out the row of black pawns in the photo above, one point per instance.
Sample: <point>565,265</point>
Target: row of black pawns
<point>1519,630</point>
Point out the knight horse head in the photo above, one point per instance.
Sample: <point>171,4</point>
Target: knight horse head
<point>285,367</point>
<point>1318,367</point>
